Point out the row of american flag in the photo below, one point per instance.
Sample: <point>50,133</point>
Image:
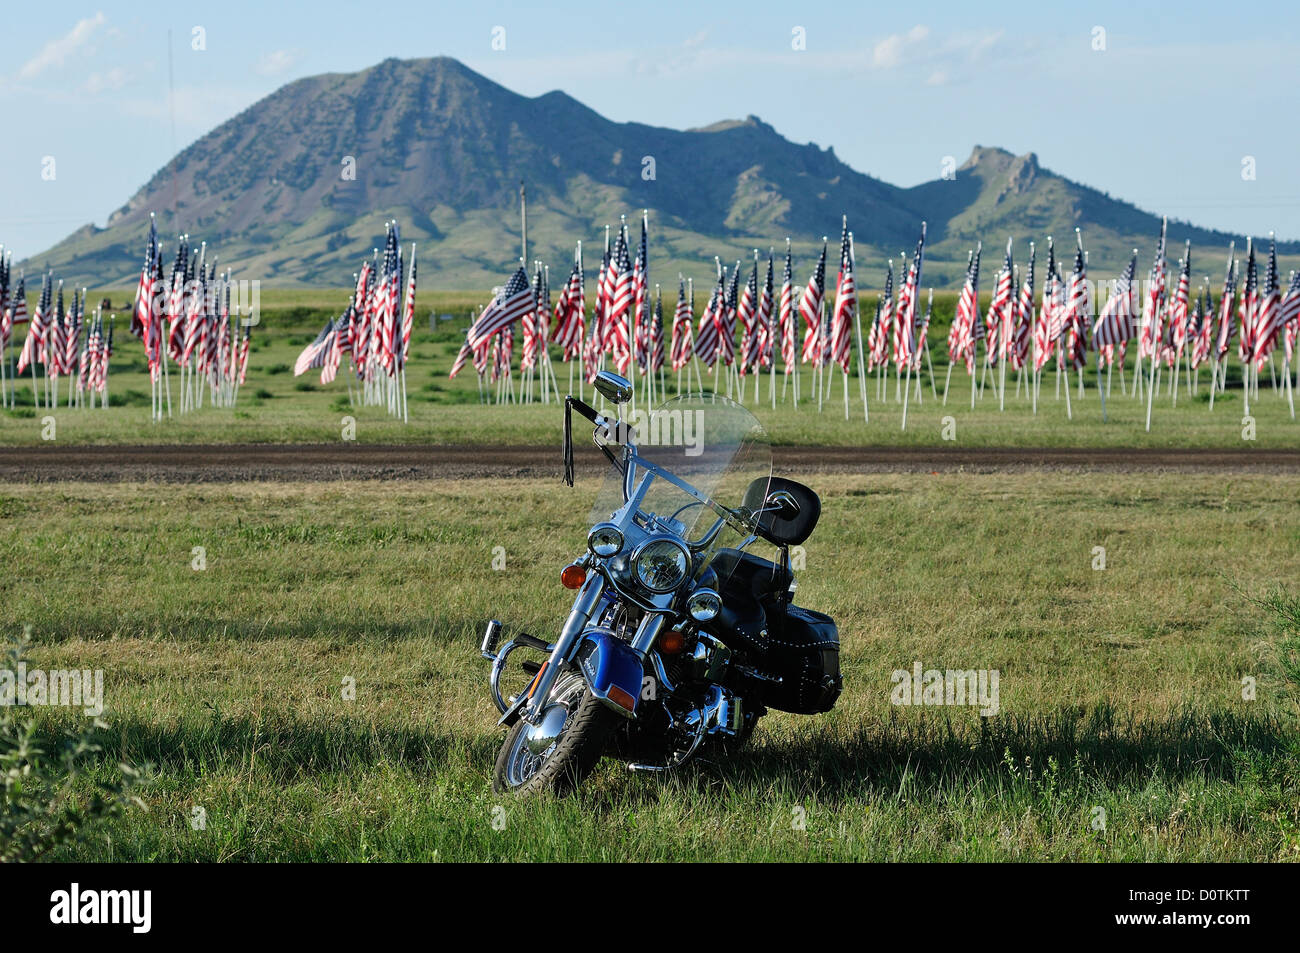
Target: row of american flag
<point>1176,332</point>
<point>373,331</point>
<point>186,319</point>
<point>63,340</point>
<point>746,329</point>
<point>743,331</point>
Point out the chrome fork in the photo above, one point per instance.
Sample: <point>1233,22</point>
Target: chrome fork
<point>579,616</point>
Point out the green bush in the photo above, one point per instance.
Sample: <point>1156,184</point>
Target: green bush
<point>41,806</point>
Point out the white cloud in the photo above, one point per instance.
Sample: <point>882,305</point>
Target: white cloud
<point>276,62</point>
<point>891,51</point>
<point>937,78</point>
<point>55,52</point>
<point>103,82</point>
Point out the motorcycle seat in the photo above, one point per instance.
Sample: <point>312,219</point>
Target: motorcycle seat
<point>760,579</point>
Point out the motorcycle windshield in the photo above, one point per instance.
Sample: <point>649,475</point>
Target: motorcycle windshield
<point>711,444</point>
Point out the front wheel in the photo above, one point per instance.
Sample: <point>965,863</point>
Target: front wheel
<point>557,753</point>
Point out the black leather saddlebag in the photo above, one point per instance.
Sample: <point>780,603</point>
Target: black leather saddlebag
<point>803,647</point>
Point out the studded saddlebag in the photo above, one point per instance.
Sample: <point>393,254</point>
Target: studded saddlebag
<point>803,647</point>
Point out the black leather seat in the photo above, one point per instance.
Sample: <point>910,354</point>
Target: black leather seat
<point>743,572</point>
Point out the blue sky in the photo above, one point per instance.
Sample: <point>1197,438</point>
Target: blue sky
<point>1163,116</point>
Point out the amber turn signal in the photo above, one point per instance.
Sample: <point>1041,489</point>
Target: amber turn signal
<point>573,576</point>
<point>672,642</point>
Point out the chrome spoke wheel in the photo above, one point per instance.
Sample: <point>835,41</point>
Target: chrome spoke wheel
<point>532,745</point>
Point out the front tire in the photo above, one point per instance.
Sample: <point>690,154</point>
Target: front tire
<point>554,756</point>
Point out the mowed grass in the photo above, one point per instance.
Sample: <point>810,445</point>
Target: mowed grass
<point>274,406</point>
<point>1121,690</point>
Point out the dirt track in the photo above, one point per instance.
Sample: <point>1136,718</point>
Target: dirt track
<point>244,462</point>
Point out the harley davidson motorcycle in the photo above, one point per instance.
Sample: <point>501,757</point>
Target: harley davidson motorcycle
<point>679,640</point>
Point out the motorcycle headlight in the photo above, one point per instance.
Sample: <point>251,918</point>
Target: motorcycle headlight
<point>703,605</point>
<point>660,565</point>
<point>605,539</point>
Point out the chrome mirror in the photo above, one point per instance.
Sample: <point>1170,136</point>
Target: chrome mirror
<point>613,387</point>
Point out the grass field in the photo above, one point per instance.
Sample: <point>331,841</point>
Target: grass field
<point>275,406</point>
<point>1121,689</point>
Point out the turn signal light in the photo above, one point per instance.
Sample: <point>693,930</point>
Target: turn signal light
<point>672,642</point>
<point>621,698</point>
<point>573,576</point>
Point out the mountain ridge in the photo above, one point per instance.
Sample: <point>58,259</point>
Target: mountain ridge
<point>442,149</point>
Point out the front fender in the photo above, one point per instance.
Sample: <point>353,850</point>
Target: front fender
<point>612,669</point>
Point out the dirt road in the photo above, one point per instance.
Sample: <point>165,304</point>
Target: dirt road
<point>347,461</point>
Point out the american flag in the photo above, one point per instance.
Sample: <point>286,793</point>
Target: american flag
<point>810,307</point>
<point>1289,315</point>
<point>54,346</point>
<point>361,321</point>
<point>726,320</point>
<point>682,337</point>
<point>1115,323</point>
<point>503,346</point>
<point>16,312</point>
<point>766,316</point>
<point>342,334</point>
<point>571,311</point>
<point>94,355</point>
<point>746,311</point>
<point>706,341</point>
<point>785,312</point>
<point>510,304</point>
<point>966,327</point>
<point>905,319</point>
<point>1199,327</point>
<point>176,300</point>
<point>1248,307</point>
<point>314,354</point>
<point>1024,317</point>
<point>618,281</point>
<point>5,314</point>
<point>594,349</point>
<point>878,339</point>
<point>195,293</point>
<point>1178,305</point>
<point>149,310</point>
<point>846,301</point>
<point>140,315</point>
<point>998,321</point>
<point>390,342</point>
<point>1152,305</point>
<point>656,345</point>
<point>876,336</point>
<point>34,345</point>
<point>72,333</point>
<point>223,340</point>
<point>1269,321</point>
<point>1079,319</point>
<point>641,290</point>
<point>529,323</point>
<point>1224,339</point>
<point>408,312</point>
<point>244,348</point>
<point>924,332</point>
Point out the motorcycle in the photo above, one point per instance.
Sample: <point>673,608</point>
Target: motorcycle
<point>679,640</point>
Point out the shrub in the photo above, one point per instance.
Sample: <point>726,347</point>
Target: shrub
<point>39,809</point>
